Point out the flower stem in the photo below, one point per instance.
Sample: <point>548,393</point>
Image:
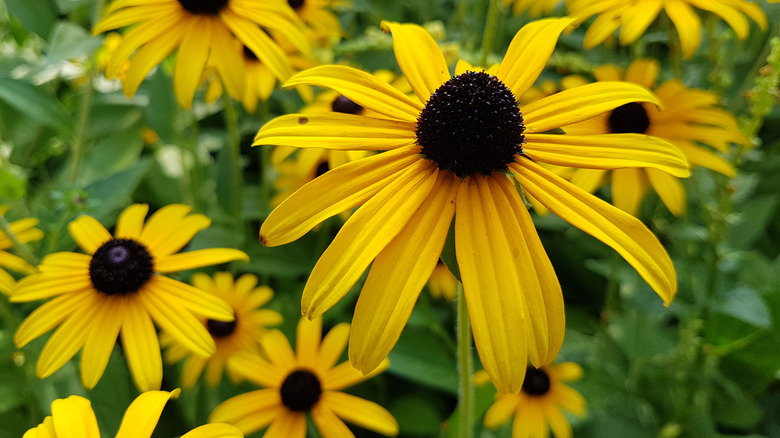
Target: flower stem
<point>466,389</point>
<point>77,147</point>
<point>233,151</point>
<point>489,36</point>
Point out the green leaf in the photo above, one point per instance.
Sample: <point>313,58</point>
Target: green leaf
<point>754,216</point>
<point>745,304</point>
<point>13,183</point>
<point>419,356</point>
<point>37,16</point>
<point>108,195</point>
<point>111,155</point>
<point>34,103</point>
<point>69,40</point>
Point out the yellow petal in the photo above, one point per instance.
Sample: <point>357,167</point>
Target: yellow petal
<point>103,333</point>
<point>46,285</point>
<point>362,88</point>
<point>198,258</point>
<point>398,275</point>
<point>629,187</point>
<point>670,190</point>
<point>307,340</point>
<point>170,228</point>
<point>419,58</point>
<point>624,233</point>
<point>289,424</point>
<point>66,340</point>
<point>643,72</point>
<point>182,325</point>
<point>732,16</point>
<point>230,65</point>
<point>637,19</point>
<point>256,369</point>
<point>250,411</point>
<point>699,156</point>
<point>328,424</point>
<point>345,375</point>
<point>50,315</point>
<point>365,235</point>
<point>151,54</point>
<point>262,45</point>
<point>215,430</point>
<point>581,103</point>
<point>501,410</point>
<point>332,346</point>
<point>141,346</point>
<point>361,412</point>
<point>191,59</point>
<point>88,233</point>
<point>529,52</point>
<point>131,222</point>
<point>142,415</point>
<point>15,263</point>
<point>73,417</point>
<point>688,26</point>
<point>183,296</point>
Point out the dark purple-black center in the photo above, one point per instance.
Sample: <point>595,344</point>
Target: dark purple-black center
<point>120,266</point>
<point>203,7</point>
<point>301,390</point>
<point>536,382</point>
<point>630,118</point>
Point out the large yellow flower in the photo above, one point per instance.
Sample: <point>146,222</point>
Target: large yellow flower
<point>24,230</point>
<point>539,406</point>
<point>116,290</point>
<point>634,16</point>
<point>689,118</point>
<point>242,334</point>
<point>200,29</point>
<point>73,417</point>
<point>300,383</point>
<point>453,150</point>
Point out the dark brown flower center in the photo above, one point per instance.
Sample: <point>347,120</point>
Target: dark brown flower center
<point>630,118</point>
<point>296,4</point>
<point>301,390</point>
<point>471,124</point>
<point>536,382</point>
<point>220,329</point>
<point>120,266</point>
<point>249,54</point>
<point>343,105</point>
<point>322,168</point>
<point>203,7</point>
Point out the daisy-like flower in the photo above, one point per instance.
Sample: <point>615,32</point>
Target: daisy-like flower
<point>73,417</point>
<point>690,118</point>
<point>24,230</point>
<point>534,8</point>
<point>241,334</point>
<point>453,150</point>
<point>539,405</point>
<point>116,289</point>
<point>200,29</point>
<point>442,283</point>
<point>307,381</point>
<point>633,17</point>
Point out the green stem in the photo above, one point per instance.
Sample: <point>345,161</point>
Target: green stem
<point>12,323</point>
<point>233,149</point>
<point>24,250</point>
<point>77,147</point>
<point>489,36</point>
<point>466,389</point>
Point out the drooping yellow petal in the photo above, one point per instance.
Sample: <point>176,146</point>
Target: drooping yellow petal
<point>88,233</point>
<point>688,25</point>
<point>307,340</point>
<point>73,417</point>
<point>501,410</point>
<point>365,235</point>
<point>699,156</point>
<point>361,412</point>
<point>250,411</point>
<point>50,315</point>
<point>141,346</point>
<point>607,151</point>
<point>629,187</point>
<point>262,45</point>
<point>256,369</point>
<point>214,430</point>
<point>328,424</point>
<point>345,375</point>
<point>332,346</point>
<point>363,89</point>
<point>198,258</point>
<point>730,15</point>
<point>15,263</point>
<point>183,326</point>
<point>602,27</point>
<point>288,424</point>
<point>627,235</point>
<point>670,190</point>
<point>643,72</point>
<point>581,103</point>
<point>336,191</point>
<point>529,52</point>
<point>102,336</point>
<point>637,19</point>
<point>150,55</point>
<point>191,59</point>
<point>419,58</point>
<point>398,275</point>
<point>228,61</point>
<point>142,415</point>
<point>66,340</point>
<point>183,296</point>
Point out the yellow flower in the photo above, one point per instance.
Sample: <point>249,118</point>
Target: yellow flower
<point>242,334</point>
<point>634,16</point>
<point>689,118</point>
<point>25,231</point>
<point>300,383</point>
<point>535,8</point>
<point>73,417</point>
<point>116,290</point>
<point>453,150</point>
<point>324,26</point>
<point>199,29</point>
<point>539,406</point>
<point>442,283</point>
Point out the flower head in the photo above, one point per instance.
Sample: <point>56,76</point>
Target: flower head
<point>633,18</point>
<point>689,120</point>
<point>200,29</point>
<point>116,289</point>
<point>24,231</point>
<point>307,381</point>
<point>73,417</point>
<point>540,403</point>
<point>453,150</point>
<point>230,337</point>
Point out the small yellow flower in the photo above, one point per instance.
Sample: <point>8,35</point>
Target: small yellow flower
<point>25,231</point>
<point>73,417</point>
<point>116,289</point>
<point>306,381</point>
<point>231,337</point>
<point>539,405</point>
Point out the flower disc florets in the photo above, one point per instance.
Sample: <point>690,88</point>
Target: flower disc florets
<point>301,390</point>
<point>120,266</point>
<point>630,118</point>
<point>536,382</point>
<point>296,4</point>
<point>343,105</point>
<point>220,329</point>
<point>471,124</point>
<point>205,7</point>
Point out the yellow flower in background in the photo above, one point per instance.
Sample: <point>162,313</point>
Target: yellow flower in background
<point>116,289</point>
<point>73,417</point>
<point>24,230</point>
<point>690,118</point>
<point>199,29</point>
<point>306,381</point>
<point>453,150</point>
<point>323,24</point>
<point>634,16</point>
<point>241,334</point>
<point>534,8</point>
<point>442,283</point>
<point>539,406</point>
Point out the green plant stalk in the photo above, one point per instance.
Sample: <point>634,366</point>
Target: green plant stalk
<point>466,369</point>
<point>489,36</point>
<point>24,250</point>
<point>77,147</point>
<point>12,322</point>
<point>233,151</point>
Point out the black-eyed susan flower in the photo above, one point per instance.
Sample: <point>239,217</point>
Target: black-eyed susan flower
<point>242,334</point>
<point>442,283</point>
<point>539,405</point>
<point>116,289</point>
<point>24,231</point>
<point>306,381</point>
<point>453,150</point>
<point>689,120</point>
<point>633,18</point>
<point>534,8</point>
<point>73,417</point>
<point>199,29</point>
